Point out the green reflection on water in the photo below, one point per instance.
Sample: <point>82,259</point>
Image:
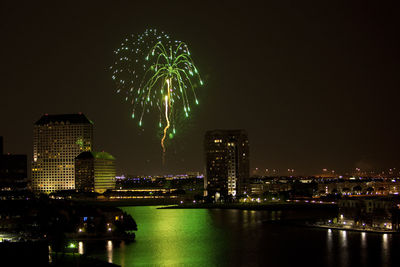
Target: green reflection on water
<point>172,237</point>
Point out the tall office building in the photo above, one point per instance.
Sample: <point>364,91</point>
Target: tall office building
<point>95,172</point>
<point>227,162</point>
<point>57,140</point>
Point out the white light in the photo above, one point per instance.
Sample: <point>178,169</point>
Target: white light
<point>109,251</point>
<point>80,247</point>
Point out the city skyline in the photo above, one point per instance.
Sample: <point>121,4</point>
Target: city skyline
<point>314,85</point>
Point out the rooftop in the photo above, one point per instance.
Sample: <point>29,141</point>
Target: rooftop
<point>227,132</point>
<point>95,155</point>
<point>78,118</point>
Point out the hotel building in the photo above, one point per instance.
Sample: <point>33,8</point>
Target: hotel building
<point>227,162</point>
<point>57,140</point>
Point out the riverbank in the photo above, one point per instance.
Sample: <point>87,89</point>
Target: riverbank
<point>253,206</point>
<point>78,238</point>
<point>128,202</point>
<point>302,223</point>
<point>353,229</point>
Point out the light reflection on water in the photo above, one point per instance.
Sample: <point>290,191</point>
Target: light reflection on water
<point>385,250</point>
<point>201,237</point>
<point>329,247</point>
<point>80,248</point>
<point>363,248</point>
<point>344,255</point>
<point>363,240</point>
<point>109,251</point>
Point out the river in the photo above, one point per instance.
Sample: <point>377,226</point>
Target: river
<point>202,237</point>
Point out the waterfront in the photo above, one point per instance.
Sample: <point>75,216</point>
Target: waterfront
<point>202,237</point>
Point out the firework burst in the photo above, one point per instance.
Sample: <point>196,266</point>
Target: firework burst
<point>155,73</point>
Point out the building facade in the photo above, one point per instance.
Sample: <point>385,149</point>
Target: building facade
<point>57,140</point>
<point>227,162</point>
<point>95,172</point>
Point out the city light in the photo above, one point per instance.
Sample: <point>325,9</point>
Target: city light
<point>259,133</point>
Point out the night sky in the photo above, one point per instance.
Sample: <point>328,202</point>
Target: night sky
<point>314,84</point>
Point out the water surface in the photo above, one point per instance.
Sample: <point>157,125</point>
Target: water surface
<point>201,237</point>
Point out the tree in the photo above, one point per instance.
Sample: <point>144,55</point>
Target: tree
<point>370,190</point>
<point>346,190</point>
<point>357,189</point>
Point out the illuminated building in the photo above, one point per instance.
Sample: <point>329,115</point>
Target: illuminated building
<point>57,140</point>
<point>94,171</point>
<point>227,162</point>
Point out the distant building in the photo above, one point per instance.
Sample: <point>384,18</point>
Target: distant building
<point>57,140</point>
<point>1,145</point>
<point>360,186</point>
<point>95,171</point>
<point>13,170</point>
<point>227,162</point>
<point>370,213</point>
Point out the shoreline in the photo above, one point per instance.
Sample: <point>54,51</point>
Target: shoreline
<point>339,228</point>
<point>125,203</point>
<point>301,223</point>
<point>245,206</point>
<point>102,238</point>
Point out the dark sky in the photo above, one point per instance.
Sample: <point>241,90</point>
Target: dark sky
<point>314,83</point>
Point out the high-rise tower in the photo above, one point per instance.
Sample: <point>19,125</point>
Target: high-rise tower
<point>227,160</point>
<point>57,140</point>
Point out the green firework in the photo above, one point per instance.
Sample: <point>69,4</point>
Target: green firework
<point>157,74</point>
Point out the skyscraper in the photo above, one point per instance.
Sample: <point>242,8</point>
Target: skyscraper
<point>94,171</point>
<point>227,162</point>
<point>57,140</point>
